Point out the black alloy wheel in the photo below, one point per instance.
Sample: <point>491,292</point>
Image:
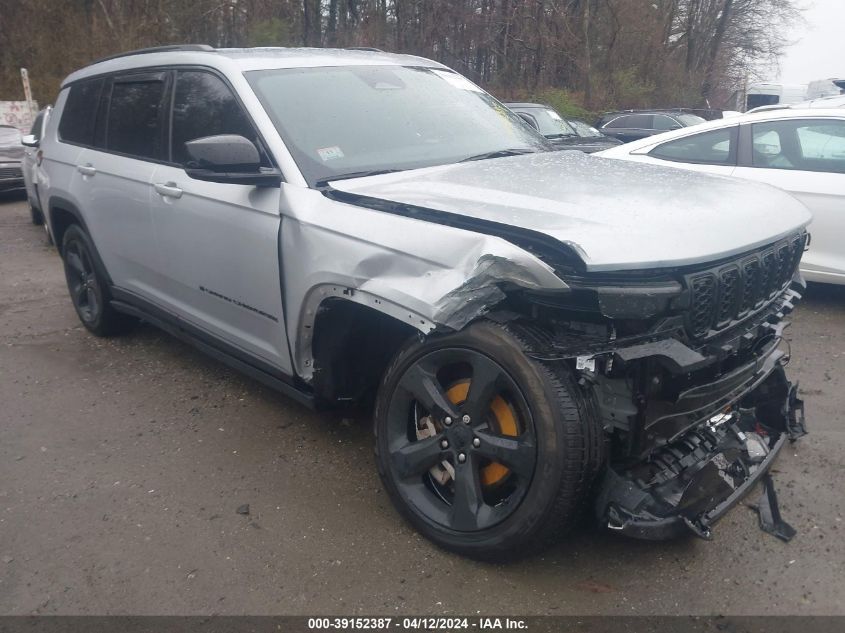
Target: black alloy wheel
<point>484,450</point>
<point>88,287</point>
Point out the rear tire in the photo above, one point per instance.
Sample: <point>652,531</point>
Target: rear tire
<point>88,288</point>
<point>548,455</point>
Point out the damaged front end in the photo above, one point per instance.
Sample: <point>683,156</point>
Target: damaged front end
<point>684,372</point>
<point>694,480</point>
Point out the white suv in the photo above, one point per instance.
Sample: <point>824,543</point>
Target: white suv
<point>536,329</point>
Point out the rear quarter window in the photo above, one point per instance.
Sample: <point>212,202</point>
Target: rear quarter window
<point>77,122</point>
<point>717,147</point>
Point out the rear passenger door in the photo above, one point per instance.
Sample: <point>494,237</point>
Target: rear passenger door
<point>116,171</point>
<point>220,241</point>
<point>806,157</point>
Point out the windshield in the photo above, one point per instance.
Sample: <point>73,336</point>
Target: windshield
<point>550,123</point>
<point>584,130</point>
<point>343,120</point>
<point>689,119</point>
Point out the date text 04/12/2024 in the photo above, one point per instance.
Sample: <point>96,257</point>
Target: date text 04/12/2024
<point>418,624</point>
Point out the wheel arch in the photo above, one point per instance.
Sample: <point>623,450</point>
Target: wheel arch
<point>63,213</point>
<point>349,342</point>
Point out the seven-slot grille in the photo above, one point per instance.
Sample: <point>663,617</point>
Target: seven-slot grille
<point>10,172</point>
<point>721,295</point>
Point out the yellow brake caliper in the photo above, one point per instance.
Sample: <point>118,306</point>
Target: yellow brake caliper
<point>505,421</point>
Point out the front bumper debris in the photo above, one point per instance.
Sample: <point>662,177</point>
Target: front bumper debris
<point>690,483</point>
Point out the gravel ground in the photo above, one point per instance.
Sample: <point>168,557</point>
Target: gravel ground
<point>123,463</point>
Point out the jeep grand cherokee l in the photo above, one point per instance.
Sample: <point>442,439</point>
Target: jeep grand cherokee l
<point>355,226</point>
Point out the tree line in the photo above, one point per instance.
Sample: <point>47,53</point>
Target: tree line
<point>582,55</point>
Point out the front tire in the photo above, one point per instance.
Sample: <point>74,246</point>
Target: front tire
<point>88,288</point>
<point>485,451</point>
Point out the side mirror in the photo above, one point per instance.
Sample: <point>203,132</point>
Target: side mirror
<point>228,158</point>
<point>29,140</point>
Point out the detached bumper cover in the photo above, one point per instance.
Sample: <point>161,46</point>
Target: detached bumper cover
<point>692,482</point>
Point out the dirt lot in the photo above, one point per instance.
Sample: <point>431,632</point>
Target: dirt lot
<point>122,464</point>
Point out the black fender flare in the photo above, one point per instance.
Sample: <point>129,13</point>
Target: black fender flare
<point>58,202</point>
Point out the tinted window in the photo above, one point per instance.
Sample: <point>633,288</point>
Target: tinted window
<point>663,122</point>
<point>205,106</point>
<point>712,148</point>
<point>636,121</point>
<point>755,101</point>
<point>77,122</point>
<point>134,119</point>
<point>690,119</point>
<point>807,145</point>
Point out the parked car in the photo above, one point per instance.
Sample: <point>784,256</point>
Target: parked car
<point>821,102</point>
<point>632,125</point>
<point>801,151</point>
<point>30,164</point>
<point>562,133</point>
<point>11,153</point>
<point>361,227</point>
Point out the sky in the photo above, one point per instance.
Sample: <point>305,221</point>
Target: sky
<point>819,51</point>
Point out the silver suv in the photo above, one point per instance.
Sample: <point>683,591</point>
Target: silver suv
<point>535,330</point>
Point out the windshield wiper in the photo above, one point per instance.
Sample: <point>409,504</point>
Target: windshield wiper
<point>501,153</point>
<point>355,174</point>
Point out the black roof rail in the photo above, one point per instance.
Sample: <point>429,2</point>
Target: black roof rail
<point>158,49</point>
<point>364,48</point>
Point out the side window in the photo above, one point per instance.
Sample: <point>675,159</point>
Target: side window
<point>134,125</point>
<point>618,122</point>
<point>823,145</point>
<point>711,148</point>
<point>663,122</point>
<point>806,145</point>
<point>77,122</point>
<point>205,106</point>
<point>633,121</point>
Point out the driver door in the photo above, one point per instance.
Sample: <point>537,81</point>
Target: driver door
<point>220,241</point>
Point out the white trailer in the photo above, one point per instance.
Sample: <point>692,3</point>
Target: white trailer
<point>765,94</point>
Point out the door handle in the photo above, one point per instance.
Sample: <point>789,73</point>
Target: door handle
<point>168,190</point>
<point>87,169</point>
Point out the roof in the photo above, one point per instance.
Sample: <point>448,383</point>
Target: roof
<point>675,111</point>
<point>247,59</point>
<point>527,105</point>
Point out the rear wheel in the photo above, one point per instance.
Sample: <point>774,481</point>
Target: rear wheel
<point>485,451</point>
<point>87,286</point>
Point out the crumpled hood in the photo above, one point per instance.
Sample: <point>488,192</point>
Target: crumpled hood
<point>617,215</point>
